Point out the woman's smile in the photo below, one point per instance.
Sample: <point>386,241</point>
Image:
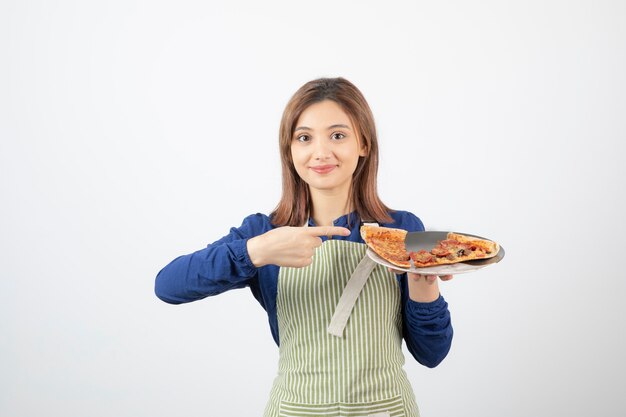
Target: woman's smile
<point>323,169</point>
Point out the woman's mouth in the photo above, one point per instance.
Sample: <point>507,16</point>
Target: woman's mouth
<point>323,169</point>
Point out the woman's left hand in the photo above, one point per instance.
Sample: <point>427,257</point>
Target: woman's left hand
<point>429,278</point>
<point>423,288</point>
<point>418,277</point>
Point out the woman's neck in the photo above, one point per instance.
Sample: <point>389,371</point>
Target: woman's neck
<point>328,206</point>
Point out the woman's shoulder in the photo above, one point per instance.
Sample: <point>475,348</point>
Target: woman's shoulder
<point>255,224</point>
<point>259,219</point>
<point>405,220</point>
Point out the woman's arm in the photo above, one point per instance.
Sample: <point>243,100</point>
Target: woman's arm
<point>427,326</point>
<point>221,266</point>
<point>233,261</point>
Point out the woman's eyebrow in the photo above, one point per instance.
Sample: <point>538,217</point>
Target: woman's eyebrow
<point>338,126</point>
<point>328,128</point>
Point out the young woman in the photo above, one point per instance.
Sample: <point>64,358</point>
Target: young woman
<point>337,317</point>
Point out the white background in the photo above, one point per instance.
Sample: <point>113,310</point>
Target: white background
<point>136,131</point>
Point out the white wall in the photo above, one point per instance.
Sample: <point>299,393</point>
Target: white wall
<point>134,131</point>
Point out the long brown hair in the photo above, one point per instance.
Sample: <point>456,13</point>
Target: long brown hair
<point>293,207</point>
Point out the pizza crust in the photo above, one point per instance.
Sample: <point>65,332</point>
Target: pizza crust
<point>488,245</point>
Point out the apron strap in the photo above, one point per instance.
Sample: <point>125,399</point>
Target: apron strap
<point>350,294</point>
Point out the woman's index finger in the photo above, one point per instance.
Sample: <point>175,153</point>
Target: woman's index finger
<point>328,231</point>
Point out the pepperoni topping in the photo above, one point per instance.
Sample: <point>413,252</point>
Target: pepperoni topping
<point>421,257</point>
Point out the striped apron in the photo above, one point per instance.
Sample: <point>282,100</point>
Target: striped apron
<point>340,355</point>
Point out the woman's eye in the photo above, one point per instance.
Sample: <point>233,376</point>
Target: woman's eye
<point>303,138</point>
<point>337,136</point>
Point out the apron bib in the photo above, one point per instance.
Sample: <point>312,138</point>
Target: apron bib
<point>325,369</point>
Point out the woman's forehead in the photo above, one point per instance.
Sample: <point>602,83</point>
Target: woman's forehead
<point>323,114</point>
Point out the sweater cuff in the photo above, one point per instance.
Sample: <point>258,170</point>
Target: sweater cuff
<point>427,308</point>
<point>240,250</point>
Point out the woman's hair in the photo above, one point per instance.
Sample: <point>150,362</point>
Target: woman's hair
<point>293,207</point>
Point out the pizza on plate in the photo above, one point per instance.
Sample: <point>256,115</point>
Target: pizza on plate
<point>388,243</point>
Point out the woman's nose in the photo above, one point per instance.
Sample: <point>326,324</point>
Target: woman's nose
<point>321,150</point>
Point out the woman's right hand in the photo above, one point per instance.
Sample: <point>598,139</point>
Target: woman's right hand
<point>290,246</point>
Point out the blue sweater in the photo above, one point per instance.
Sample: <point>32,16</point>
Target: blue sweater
<point>225,265</point>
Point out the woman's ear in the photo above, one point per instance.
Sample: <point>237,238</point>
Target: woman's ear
<point>363,151</point>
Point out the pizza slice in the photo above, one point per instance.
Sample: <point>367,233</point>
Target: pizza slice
<point>388,243</point>
<point>456,248</point>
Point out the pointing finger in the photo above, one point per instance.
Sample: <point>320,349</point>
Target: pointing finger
<point>328,231</point>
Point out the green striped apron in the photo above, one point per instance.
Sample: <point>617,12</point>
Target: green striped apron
<point>340,355</point>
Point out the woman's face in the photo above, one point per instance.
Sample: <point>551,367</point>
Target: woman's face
<point>325,147</point>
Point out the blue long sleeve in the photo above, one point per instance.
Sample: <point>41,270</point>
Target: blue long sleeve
<point>427,330</point>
